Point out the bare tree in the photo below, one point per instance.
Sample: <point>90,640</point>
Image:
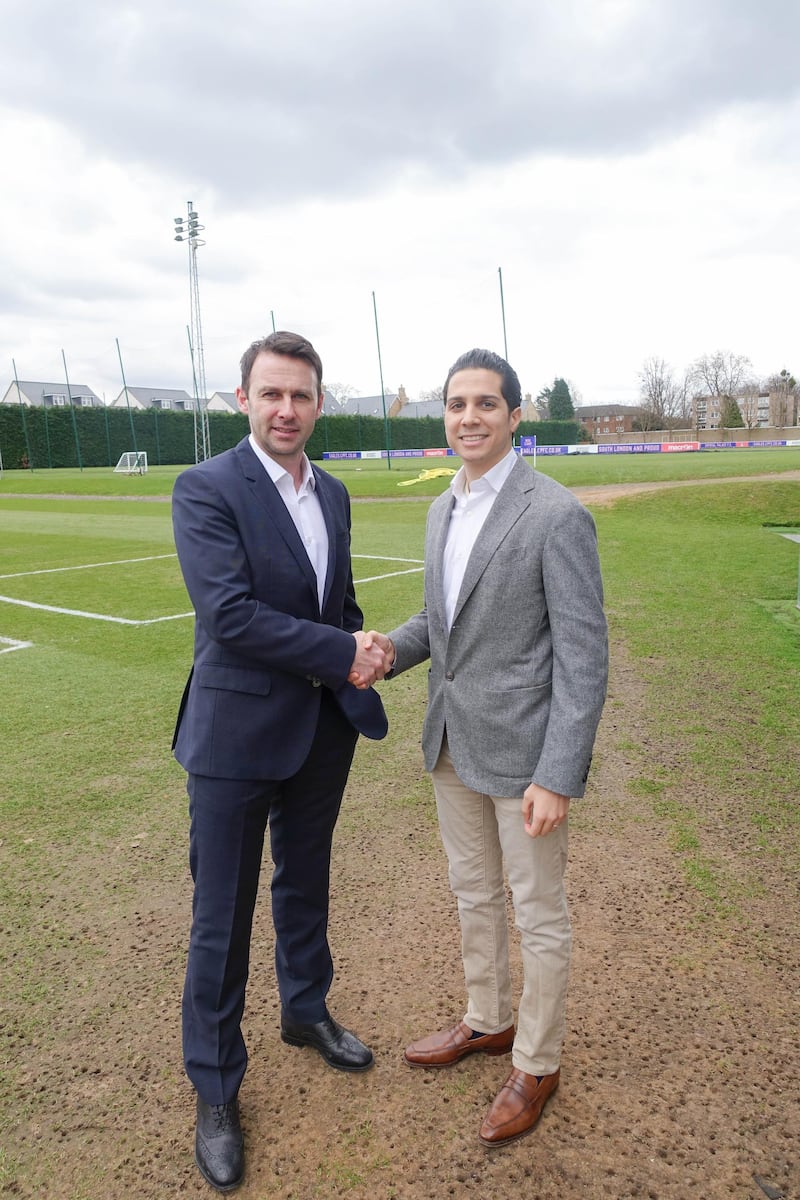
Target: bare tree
<point>341,393</point>
<point>783,392</point>
<point>720,374</point>
<point>664,398</point>
<point>577,395</point>
<point>748,402</point>
<point>434,393</point>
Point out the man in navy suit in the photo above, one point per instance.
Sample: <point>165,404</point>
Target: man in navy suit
<point>267,728</point>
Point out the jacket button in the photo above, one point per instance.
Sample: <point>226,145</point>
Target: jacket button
<point>315,682</point>
<point>449,676</point>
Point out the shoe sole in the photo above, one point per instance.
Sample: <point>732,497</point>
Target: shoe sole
<point>291,1040</point>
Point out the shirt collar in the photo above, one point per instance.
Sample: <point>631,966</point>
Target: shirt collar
<point>276,472</point>
<point>494,478</point>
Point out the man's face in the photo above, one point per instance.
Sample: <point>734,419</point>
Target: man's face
<point>477,421</point>
<point>282,402</point>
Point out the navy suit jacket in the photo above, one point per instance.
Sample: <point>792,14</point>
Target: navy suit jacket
<point>263,649</point>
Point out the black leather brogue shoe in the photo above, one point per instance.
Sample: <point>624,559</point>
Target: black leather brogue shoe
<point>219,1145</point>
<point>340,1048</point>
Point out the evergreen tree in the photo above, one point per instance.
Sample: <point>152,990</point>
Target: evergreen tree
<point>561,406</point>
<point>731,414</point>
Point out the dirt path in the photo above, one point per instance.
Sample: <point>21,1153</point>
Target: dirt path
<point>681,1072</point>
<point>608,493</point>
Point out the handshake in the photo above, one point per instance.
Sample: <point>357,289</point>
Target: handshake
<point>374,658</point>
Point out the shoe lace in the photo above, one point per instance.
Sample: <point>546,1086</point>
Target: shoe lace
<point>224,1116</point>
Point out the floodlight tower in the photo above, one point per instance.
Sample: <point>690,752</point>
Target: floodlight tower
<point>188,229</point>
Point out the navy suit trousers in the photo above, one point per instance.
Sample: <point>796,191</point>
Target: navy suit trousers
<point>228,823</point>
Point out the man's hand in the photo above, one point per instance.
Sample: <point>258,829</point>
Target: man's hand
<point>372,659</point>
<point>543,811</point>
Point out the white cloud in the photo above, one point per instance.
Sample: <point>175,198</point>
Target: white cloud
<point>631,166</point>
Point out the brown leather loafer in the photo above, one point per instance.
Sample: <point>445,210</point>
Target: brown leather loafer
<point>516,1108</point>
<point>448,1047</point>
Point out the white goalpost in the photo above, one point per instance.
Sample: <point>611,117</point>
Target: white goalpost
<point>132,462</point>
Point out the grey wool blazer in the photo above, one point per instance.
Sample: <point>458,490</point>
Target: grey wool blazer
<point>519,681</point>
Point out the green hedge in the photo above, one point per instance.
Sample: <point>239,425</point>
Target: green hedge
<point>97,437</point>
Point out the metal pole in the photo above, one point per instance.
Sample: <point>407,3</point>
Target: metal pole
<point>24,422</point>
<point>188,230</point>
<point>272,318</point>
<point>503,311</point>
<point>383,393</point>
<point>72,410</point>
<point>198,442</point>
<point>127,401</point>
<point>47,435</point>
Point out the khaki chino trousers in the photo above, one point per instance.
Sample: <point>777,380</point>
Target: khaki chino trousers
<point>480,833</point>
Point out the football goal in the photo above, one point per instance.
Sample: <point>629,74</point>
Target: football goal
<point>132,462</point>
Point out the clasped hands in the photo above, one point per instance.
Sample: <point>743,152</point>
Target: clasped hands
<point>373,659</point>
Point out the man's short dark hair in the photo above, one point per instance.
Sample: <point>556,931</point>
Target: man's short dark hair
<point>489,361</point>
<point>293,345</point>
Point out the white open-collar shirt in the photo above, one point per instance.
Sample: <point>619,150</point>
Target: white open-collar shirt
<point>304,508</point>
<point>470,509</point>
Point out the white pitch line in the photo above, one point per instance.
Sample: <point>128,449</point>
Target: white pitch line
<point>9,644</point>
<point>123,562</point>
<point>383,558</point>
<point>90,616</point>
<point>119,562</point>
<point>391,574</point>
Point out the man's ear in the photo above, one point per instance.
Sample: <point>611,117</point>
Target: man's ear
<point>241,400</point>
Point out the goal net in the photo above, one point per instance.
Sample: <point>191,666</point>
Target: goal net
<point>132,462</point>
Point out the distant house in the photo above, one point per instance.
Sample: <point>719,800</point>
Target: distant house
<point>402,406</point>
<point>51,395</point>
<point>175,399</point>
<point>600,419</point>
<point>363,406</point>
<point>222,402</point>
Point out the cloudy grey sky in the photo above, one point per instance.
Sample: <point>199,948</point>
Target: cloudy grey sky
<point>631,165</point>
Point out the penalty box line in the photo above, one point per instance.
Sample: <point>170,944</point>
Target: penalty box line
<point>92,616</point>
<point>9,644</point>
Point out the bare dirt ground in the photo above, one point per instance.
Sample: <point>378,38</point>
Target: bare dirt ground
<point>681,1070</point>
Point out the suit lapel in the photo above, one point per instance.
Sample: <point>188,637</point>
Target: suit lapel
<point>267,495</point>
<point>437,537</point>
<point>331,526</point>
<point>512,500</point>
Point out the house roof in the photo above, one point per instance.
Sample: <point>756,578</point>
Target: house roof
<point>147,394</point>
<point>422,408</point>
<point>366,406</point>
<point>33,390</point>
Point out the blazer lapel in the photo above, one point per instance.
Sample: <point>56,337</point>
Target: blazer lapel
<point>434,557</point>
<point>268,497</point>
<point>330,525</point>
<point>512,500</point>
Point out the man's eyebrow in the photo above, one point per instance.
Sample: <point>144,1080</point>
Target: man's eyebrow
<point>481,396</point>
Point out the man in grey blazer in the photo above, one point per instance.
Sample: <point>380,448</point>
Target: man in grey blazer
<point>514,629</point>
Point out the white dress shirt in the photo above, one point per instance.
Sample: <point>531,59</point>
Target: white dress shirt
<point>304,508</point>
<point>473,503</point>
